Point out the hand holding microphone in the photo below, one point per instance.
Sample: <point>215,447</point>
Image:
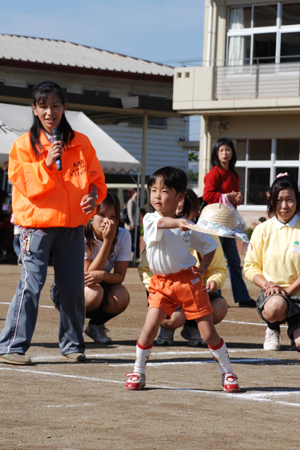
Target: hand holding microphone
<point>56,137</point>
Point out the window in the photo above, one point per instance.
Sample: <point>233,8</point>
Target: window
<point>263,34</point>
<point>260,160</point>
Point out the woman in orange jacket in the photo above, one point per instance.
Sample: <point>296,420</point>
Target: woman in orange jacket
<point>51,206</point>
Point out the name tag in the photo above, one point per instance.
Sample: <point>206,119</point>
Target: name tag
<point>195,280</point>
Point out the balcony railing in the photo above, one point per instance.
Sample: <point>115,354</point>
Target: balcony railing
<point>257,81</point>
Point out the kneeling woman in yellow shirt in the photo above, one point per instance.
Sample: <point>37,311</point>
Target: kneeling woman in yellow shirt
<point>272,262</point>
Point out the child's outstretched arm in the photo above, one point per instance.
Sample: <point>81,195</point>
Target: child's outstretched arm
<point>169,222</point>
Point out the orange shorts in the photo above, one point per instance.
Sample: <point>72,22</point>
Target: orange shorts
<point>184,289</point>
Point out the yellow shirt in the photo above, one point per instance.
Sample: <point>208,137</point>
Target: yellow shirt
<point>216,271</point>
<point>274,253</point>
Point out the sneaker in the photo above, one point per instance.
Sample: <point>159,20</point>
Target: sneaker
<point>192,335</point>
<point>272,340</point>
<point>54,296</point>
<point>98,333</point>
<point>165,337</point>
<point>230,383</point>
<point>15,358</point>
<point>74,357</point>
<point>136,381</point>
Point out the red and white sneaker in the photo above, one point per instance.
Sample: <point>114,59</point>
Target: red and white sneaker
<point>230,383</point>
<point>136,381</point>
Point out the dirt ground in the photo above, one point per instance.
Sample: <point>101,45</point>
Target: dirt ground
<point>53,404</point>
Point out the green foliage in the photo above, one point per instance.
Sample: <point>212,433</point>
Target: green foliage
<point>249,232</point>
<point>192,176</point>
<point>193,156</point>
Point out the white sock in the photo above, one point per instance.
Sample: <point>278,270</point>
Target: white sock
<point>142,355</point>
<point>220,354</point>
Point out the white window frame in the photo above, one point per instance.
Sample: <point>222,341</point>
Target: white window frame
<point>271,164</point>
<point>278,29</point>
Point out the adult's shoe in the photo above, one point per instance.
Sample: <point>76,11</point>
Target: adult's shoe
<point>15,358</point>
<point>74,357</point>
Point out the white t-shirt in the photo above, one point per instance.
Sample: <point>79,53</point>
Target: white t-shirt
<point>168,250</point>
<point>122,250</point>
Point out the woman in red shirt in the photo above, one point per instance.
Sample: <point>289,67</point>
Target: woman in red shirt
<point>223,179</point>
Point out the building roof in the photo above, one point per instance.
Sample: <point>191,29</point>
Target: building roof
<point>50,52</point>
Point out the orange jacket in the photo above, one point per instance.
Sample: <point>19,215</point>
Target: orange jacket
<point>45,197</point>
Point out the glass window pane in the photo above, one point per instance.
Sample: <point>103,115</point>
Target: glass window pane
<point>258,183</point>
<point>241,147</point>
<point>239,50</point>
<point>240,18</point>
<point>241,171</point>
<point>287,149</point>
<point>260,149</point>
<point>290,13</point>
<point>264,46</point>
<point>290,47</point>
<point>292,171</point>
<point>265,16</point>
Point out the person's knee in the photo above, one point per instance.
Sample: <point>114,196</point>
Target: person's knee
<point>118,299</point>
<point>275,309</point>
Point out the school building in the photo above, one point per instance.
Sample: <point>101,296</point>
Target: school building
<point>247,88</point>
<point>129,98</point>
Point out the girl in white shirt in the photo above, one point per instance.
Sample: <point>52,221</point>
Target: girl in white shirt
<point>176,281</point>
<point>107,248</point>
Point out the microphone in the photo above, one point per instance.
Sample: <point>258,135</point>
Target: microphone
<point>56,137</point>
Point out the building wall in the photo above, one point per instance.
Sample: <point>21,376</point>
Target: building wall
<point>162,144</point>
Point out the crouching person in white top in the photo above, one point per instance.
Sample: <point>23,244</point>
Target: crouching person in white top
<point>107,254</point>
<point>176,281</point>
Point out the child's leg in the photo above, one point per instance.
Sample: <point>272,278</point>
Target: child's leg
<point>177,320</point>
<point>219,352</point>
<point>297,338</point>
<point>144,347</point>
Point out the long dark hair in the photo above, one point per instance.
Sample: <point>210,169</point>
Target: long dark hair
<point>173,178</point>
<point>214,155</point>
<point>194,203</point>
<point>110,200</point>
<point>282,182</point>
<point>40,95</point>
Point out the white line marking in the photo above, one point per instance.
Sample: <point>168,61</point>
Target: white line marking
<point>250,323</point>
<point>225,321</point>
<point>41,306</point>
<point>259,397</point>
<point>154,353</point>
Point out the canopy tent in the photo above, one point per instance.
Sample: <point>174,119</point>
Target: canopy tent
<point>16,120</point>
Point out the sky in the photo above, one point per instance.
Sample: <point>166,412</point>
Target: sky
<point>165,31</point>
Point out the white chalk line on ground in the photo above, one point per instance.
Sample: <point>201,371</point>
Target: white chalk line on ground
<point>154,354</point>
<point>225,321</point>
<point>254,396</point>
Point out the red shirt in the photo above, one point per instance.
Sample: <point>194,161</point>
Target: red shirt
<point>219,181</point>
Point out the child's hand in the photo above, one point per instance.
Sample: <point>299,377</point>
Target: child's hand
<point>93,277</point>
<point>197,271</point>
<point>182,224</point>
<point>211,287</point>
